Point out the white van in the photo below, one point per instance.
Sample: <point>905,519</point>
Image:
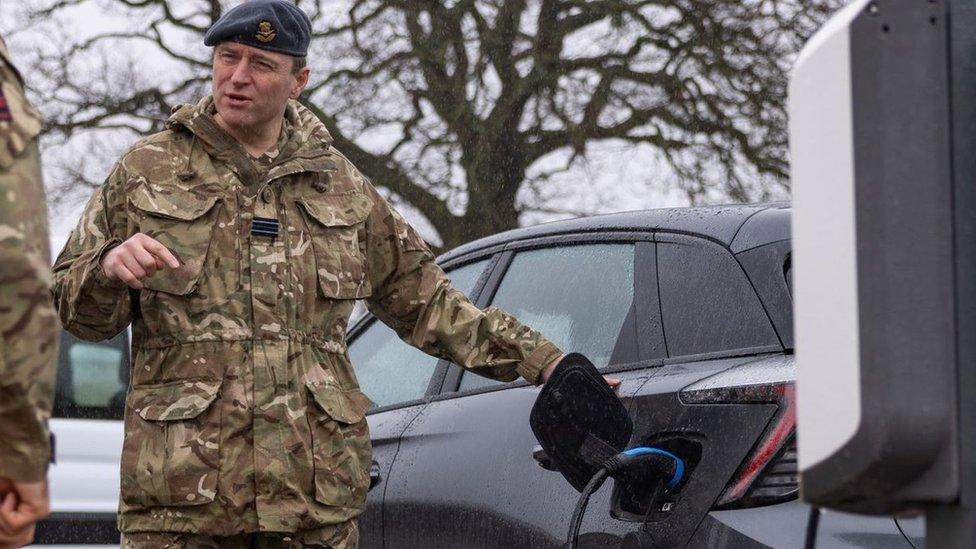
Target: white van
<point>87,426</point>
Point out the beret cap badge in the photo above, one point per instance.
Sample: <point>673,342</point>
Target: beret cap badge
<point>265,32</point>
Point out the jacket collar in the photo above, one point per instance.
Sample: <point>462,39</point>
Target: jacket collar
<point>306,149</point>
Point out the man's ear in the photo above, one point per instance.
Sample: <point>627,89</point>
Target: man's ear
<point>301,80</point>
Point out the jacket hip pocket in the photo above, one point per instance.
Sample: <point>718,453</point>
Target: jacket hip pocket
<point>178,219</point>
<point>334,223</point>
<point>170,456</point>
<point>340,445</point>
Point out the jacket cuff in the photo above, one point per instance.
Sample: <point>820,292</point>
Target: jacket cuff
<point>94,272</point>
<point>25,446</point>
<point>541,358</point>
<point>33,469</point>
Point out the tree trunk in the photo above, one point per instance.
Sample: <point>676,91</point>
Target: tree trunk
<point>494,178</point>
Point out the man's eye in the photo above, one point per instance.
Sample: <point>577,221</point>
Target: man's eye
<point>264,67</point>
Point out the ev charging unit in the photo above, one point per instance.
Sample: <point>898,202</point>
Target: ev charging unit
<point>882,107</point>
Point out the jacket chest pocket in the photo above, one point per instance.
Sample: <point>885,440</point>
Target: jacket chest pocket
<point>334,222</point>
<point>183,222</point>
<point>170,456</point>
<point>340,445</point>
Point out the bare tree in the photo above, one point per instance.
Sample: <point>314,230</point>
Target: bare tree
<point>453,106</point>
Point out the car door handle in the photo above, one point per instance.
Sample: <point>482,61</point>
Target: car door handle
<point>543,459</point>
<point>374,474</point>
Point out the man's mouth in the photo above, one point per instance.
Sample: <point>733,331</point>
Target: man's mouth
<point>237,99</point>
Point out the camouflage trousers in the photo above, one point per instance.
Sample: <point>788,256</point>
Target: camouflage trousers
<point>340,536</point>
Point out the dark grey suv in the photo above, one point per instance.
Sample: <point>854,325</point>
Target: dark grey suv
<point>691,309</point>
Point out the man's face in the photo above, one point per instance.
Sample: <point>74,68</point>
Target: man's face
<point>252,86</point>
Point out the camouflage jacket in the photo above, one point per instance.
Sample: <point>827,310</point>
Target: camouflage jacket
<point>243,411</point>
<point>28,327</point>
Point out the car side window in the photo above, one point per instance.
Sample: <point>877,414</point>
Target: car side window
<point>92,378</point>
<point>577,296</point>
<point>389,370</point>
<point>707,303</point>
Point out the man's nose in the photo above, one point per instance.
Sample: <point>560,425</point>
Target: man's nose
<point>241,74</point>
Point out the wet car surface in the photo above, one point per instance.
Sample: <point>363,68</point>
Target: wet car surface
<point>691,309</point>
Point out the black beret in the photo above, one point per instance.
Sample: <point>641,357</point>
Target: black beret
<point>273,25</point>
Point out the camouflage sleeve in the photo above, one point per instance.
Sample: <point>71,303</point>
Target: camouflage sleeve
<point>28,327</point>
<point>89,304</point>
<point>414,296</point>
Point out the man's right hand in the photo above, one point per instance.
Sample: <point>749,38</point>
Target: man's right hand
<point>22,504</point>
<point>137,258</point>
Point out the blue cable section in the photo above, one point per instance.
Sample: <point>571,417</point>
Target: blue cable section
<point>679,464</point>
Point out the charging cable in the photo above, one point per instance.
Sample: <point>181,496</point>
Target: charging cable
<point>641,465</point>
<point>813,524</point>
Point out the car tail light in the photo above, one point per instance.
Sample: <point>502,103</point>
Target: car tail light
<point>768,475</point>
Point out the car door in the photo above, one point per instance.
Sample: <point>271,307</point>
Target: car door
<point>754,490</point>
<point>397,378</point>
<point>722,399</point>
<point>465,475</point>
<point>87,428</point>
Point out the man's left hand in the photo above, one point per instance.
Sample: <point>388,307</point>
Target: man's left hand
<point>613,382</point>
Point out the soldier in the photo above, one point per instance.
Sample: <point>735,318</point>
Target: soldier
<point>236,242</point>
<point>28,326</point>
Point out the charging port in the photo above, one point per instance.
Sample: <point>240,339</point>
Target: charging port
<point>652,500</point>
